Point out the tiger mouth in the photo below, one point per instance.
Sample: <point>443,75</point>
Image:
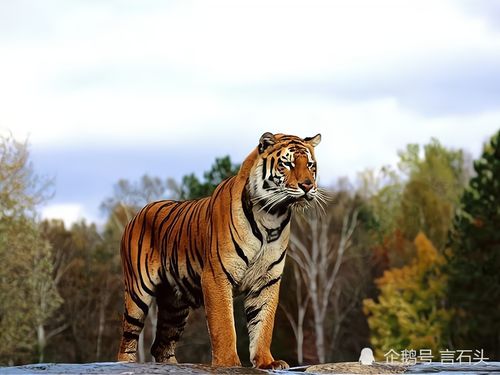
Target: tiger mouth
<point>304,197</point>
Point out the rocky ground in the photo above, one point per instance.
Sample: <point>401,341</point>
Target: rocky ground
<point>329,368</point>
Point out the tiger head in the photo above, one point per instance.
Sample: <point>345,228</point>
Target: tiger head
<point>285,172</point>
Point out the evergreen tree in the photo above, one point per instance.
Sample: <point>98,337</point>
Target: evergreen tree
<point>474,259</point>
<point>193,188</point>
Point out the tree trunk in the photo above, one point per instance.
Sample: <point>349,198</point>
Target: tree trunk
<point>41,342</point>
<point>100,330</point>
<point>300,335</point>
<point>140,348</point>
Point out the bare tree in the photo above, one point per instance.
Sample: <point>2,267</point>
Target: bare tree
<point>318,248</point>
<point>302,301</point>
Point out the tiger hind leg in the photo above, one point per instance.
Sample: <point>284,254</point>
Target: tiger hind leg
<point>136,310</point>
<point>172,318</point>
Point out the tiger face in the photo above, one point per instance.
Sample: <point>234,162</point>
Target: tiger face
<point>286,171</point>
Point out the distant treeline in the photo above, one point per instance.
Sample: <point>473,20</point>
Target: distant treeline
<point>403,258</point>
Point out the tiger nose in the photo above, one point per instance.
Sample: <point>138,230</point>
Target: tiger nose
<point>306,185</point>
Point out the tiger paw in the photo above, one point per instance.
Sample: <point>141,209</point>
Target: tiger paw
<point>274,365</point>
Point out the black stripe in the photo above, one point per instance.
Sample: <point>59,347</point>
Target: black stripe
<point>190,246</point>
<point>252,312</point>
<point>140,303</point>
<point>271,167</point>
<point>130,335</point>
<point>259,291</point>
<point>130,267</point>
<point>247,210</point>
<point>139,250</point>
<point>211,267</point>
<point>264,168</point>
<point>274,233</point>
<point>133,321</point>
<point>164,237</point>
<point>192,274</point>
<point>216,193</point>
<point>281,209</point>
<point>238,249</point>
<point>194,293</point>
<point>153,225</point>
<point>148,274</point>
<point>175,320</point>
<point>180,286</point>
<point>174,261</point>
<point>228,275</point>
<point>276,262</point>
<point>254,323</point>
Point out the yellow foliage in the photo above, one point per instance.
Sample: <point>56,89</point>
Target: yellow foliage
<point>409,313</point>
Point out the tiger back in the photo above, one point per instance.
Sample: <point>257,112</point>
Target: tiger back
<point>198,253</point>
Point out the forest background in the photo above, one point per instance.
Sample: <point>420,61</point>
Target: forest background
<point>403,258</point>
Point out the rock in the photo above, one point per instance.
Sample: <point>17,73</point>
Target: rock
<point>124,368</point>
<point>357,368</point>
<point>329,368</point>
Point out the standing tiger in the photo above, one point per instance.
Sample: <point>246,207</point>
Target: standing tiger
<point>198,252</point>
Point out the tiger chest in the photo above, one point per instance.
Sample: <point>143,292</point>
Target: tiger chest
<point>265,254</point>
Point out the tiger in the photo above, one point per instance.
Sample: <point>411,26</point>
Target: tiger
<point>201,252</point>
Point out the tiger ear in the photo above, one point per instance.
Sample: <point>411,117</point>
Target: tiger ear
<point>313,141</point>
<point>267,139</point>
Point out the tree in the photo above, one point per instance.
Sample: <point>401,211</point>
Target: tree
<point>300,303</point>
<point>433,190</point>
<point>89,278</point>
<point>28,296</point>
<point>21,190</point>
<point>474,258</point>
<point>420,196</point>
<point>192,188</point>
<point>410,312</point>
<point>322,249</point>
<point>135,195</point>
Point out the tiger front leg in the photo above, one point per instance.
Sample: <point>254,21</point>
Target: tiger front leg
<point>260,309</point>
<point>218,299</point>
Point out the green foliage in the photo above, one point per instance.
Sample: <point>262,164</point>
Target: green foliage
<point>421,196</point>
<point>193,188</point>
<point>88,275</point>
<point>474,259</point>
<point>409,313</point>
<point>381,191</point>
<point>432,191</point>
<point>21,190</point>
<point>28,296</point>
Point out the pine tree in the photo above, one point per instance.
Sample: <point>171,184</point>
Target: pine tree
<point>474,259</point>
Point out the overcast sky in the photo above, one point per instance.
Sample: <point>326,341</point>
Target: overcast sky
<point>114,89</point>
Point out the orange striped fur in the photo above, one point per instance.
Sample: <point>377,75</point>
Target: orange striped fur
<point>198,253</point>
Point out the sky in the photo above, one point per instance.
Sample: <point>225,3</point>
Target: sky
<point>115,89</point>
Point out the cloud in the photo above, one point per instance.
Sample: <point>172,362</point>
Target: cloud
<point>94,68</point>
<point>440,86</point>
<point>70,213</point>
<point>114,89</point>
